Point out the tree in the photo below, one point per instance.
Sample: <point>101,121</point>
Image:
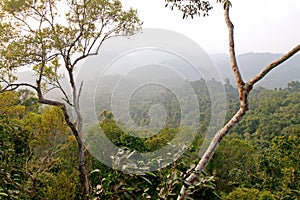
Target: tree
<point>52,41</point>
<point>234,164</point>
<point>14,142</point>
<point>192,8</point>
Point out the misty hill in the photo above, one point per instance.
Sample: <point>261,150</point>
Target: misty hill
<point>252,63</point>
<point>249,63</point>
<point>161,55</point>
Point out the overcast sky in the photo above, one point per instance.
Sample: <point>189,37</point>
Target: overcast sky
<point>260,25</point>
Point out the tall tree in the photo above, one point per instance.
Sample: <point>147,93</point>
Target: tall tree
<point>191,8</point>
<point>51,41</point>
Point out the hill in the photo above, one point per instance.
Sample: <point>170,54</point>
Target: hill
<point>252,63</point>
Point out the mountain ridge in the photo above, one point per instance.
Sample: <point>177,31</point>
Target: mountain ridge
<point>250,64</point>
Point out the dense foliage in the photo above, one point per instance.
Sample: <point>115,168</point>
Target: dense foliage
<point>260,158</point>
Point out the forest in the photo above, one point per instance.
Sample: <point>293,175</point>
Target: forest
<point>72,131</point>
<point>259,159</point>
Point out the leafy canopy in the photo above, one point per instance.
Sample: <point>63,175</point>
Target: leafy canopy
<point>47,34</point>
<point>191,8</point>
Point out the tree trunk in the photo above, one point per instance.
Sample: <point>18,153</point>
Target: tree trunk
<point>84,181</point>
<point>209,153</point>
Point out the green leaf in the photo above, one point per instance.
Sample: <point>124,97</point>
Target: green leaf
<point>147,180</point>
<point>151,173</point>
<point>95,171</point>
<point>3,194</point>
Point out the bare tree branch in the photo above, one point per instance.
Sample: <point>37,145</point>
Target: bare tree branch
<point>274,64</point>
<point>14,86</point>
<point>235,69</point>
<point>65,98</point>
<point>80,90</point>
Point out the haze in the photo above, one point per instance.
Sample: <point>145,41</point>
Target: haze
<point>260,26</point>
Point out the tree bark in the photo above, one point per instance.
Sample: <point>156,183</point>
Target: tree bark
<point>244,90</point>
<point>84,181</point>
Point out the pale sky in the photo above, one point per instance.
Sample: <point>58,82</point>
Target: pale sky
<point>260,25</point>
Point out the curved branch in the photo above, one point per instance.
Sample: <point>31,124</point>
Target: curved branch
<point>274,64</point>
<point>14,86</point>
